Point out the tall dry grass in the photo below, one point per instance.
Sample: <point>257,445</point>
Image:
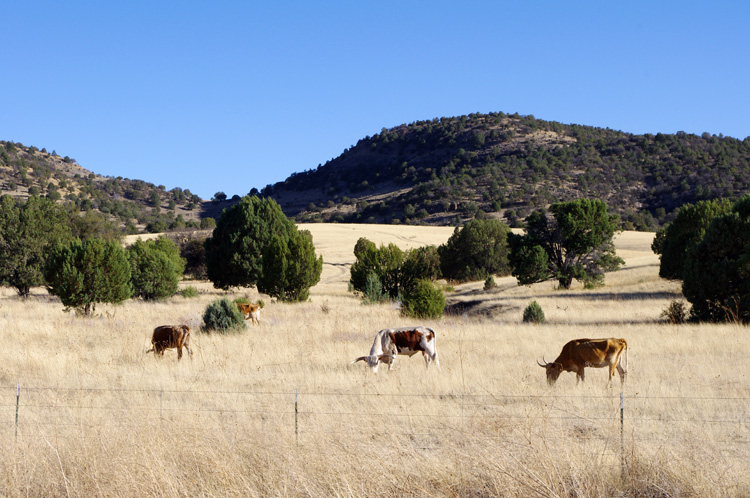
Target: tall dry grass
<point>99,417</point>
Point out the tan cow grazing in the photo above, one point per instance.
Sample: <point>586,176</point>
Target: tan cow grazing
<point>250,311</point>
<point>171,336</point>
<point>404,341</point>
<point>581,353</point>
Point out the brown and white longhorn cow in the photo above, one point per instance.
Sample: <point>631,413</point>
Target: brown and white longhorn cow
<point>580,353</point>
<point>169,337</point>
<point>408,341</point>
<point>250,311</point>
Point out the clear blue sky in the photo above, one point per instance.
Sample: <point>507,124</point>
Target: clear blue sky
<point>231,95</point>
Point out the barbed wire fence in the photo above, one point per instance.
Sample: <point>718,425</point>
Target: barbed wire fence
<point>27,411</point>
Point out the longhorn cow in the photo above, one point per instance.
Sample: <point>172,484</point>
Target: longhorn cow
<point>580,353</point>
<point>407,341</point>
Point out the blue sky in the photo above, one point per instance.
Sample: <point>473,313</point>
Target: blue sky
<point>231,95</point>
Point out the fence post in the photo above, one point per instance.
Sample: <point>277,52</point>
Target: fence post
<point>622,436</point>
<point>18,396</point>
<point>296,433</point>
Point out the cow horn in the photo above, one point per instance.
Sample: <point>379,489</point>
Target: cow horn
<point>545,362</point>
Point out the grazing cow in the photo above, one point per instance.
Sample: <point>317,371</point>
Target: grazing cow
<point>171,336</point>
<point>407,341</point>
<point>250,311</point>
<point>596,353</point>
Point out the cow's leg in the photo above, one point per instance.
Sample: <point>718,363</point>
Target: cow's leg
<point>580,376</point>
<point>622,373</point>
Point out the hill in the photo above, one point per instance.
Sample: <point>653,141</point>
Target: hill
<point>438,172</point>
<point>447,170</point>
<point>135,205</point>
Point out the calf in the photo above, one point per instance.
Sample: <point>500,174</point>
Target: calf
<point>580,353</point>
<point>250,311</point>
<point>171,336</point>
<point>404,341</point>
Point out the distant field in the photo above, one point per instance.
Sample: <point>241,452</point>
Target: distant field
<point>99,417</point>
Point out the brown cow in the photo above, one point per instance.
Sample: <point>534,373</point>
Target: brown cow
<point>171,336</point>
<point>250,311</point>
<point>405,341</point>
<point>596,353</point>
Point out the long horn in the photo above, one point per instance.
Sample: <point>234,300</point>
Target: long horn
<point>545,362</point>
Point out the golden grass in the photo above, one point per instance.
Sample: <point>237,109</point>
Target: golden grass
<point>99,417</point>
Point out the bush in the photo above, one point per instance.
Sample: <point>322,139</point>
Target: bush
<point>477,250</point>
<point>189,291</point>
<point>424,300</point>
<point>254,243</point>
<point>223,316</point>
<point>156,268</point>
<point>676,313</point>
<point>373,291</point>
<point>489,283</point>
<point>82,274</point>
<point>533,313</point>
<point>715,278</point>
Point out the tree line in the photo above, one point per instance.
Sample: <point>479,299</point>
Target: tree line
<point>569,240</point>
<point>254,243</point>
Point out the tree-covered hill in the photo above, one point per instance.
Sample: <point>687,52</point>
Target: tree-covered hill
<point>446,169</point>
<point>133,205</point>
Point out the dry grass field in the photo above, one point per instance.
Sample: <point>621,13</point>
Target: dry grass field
<point>96,416</point>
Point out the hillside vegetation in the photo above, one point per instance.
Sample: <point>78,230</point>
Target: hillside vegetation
<point>440,172</point>
<point>136,205</point>
<point>445,170</point>
<point>278,410</point>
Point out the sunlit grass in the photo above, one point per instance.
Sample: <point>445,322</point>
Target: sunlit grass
<point>100,417</point>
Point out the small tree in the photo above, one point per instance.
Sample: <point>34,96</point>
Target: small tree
<point>243,233</point>
<point>533,313</point>
<point>571,240</point>
<point>424,300</point>
<point>28,231</point>
<point>674,242</point>
<point>489,283</point>
<point>156,268</point>
<point>478,249</point>
<point>716,277</point>
<point>421,263</point>
<point>82,274</point>
<point>290,267</point>
<point>223,316</point>
<point>385,262</point>
<point>373,291</point>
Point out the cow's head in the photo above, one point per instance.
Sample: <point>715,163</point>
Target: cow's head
<point>553,371</point>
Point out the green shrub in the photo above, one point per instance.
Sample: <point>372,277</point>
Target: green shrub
<point>156,268</point>
<point>424,300</point>
<point>489,283</point>
<point>676,313</point>
<point>223,316</point>
<point>82,274</point>
<point>478,249</point>
<point>189,291</point>
<point>533,313</point>
<point>373,291</point>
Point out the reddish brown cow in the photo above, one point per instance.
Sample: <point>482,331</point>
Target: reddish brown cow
<point>404,341</point>
<point>596,353</point>
<point>171,336</point>
<point>250,311</point>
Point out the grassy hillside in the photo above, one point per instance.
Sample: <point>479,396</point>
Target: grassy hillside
<point>99,417</point>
